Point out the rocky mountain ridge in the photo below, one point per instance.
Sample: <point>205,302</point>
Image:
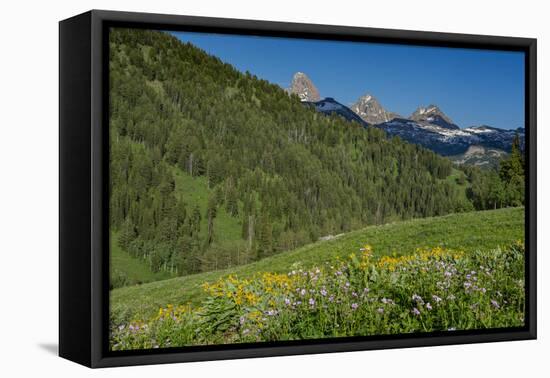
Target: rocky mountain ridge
<point>303,87</point>
<point>427,126</point>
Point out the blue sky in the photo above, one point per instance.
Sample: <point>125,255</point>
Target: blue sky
<point>472,87</point>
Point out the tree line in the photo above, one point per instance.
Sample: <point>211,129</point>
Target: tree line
<point>500,187</point>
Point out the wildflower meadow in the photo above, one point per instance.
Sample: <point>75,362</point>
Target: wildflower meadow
<point>433,289</point>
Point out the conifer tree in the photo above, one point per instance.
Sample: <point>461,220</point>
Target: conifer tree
<point>127,234</point>
<point>211,213</point>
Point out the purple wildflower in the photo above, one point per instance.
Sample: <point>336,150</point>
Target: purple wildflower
<point>287,301</point>
<point>428,306</point>
<point>354,306</point>
<point>241,320</point>
<point>415,311</point>
<point>436,298</point>
<point>303,292</point>
<point>495,303</point>
<point>311,302</point>
<point>380,310</point>
<point>323,292</point>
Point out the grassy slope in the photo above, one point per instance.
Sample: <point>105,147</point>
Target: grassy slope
<point>195,192</point>
<point>467,231</point>
<point>453,179</point>
<point>135,270</point>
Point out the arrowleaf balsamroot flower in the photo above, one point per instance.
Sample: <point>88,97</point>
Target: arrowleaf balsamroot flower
<point>272,306</point>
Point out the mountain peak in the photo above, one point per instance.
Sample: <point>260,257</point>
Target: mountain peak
<point>434,115</point>
<point>303,87</point>
<point>368,98</point>
<point>370,110</point>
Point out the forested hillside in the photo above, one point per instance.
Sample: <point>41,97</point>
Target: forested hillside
<point>281,174</point>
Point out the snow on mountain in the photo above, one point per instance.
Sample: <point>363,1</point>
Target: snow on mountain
<point>450,142</point>
<point>331,106</point>
<point>303,87</point>
<point>427,126</point>
<point>434,115</point>
<point>492,137</point>
<point>439,139</point>
<point>431,128</point>
<point>370,110</point>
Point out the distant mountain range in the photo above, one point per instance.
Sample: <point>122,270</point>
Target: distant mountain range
<point>427,126</point>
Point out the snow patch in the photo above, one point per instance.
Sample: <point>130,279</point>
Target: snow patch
<point>328,106</point>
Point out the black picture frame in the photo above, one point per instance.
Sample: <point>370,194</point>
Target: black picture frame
<point>83,181</point>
